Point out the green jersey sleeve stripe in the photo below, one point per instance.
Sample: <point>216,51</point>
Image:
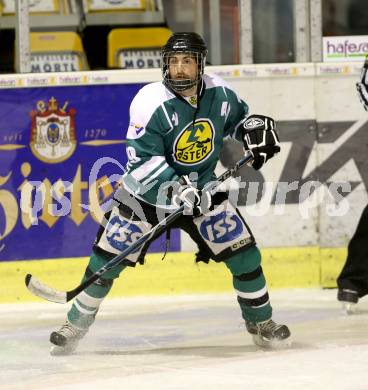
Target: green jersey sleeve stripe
<point>235,135</point>
<point>151,177</point>
<point>142,171</point>
<point>167,117</point>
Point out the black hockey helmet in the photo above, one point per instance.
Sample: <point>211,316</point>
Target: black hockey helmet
<point>183,42</point>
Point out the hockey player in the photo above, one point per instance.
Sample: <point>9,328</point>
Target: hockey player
<point>353,280</point>
<point>175,136</point>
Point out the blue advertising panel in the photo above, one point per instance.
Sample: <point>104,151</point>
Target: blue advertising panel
<point>57,145</point>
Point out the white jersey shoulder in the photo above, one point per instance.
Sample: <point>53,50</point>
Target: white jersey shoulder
<point>212,81</point>
<point>144,104</point>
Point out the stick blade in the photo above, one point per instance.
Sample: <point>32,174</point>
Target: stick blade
<point>36,287</point>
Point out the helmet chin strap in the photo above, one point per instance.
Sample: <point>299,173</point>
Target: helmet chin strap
<point>180,85</point>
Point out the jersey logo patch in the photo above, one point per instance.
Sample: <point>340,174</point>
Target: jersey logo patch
<point>221,228</point>
<point>195,143</point>
<point>135,130</point>
<point>121,233</point>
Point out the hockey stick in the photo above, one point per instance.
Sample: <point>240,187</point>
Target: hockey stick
<point>36,287</point>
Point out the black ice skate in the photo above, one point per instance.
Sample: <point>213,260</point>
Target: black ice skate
<point>349,299</point>
<point>268,334</point>
<point>66,339</point>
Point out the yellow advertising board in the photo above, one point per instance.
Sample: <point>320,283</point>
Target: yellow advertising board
<point>136,48</point>
<point>57,52</point>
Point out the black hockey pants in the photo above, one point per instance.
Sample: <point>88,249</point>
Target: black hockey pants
<point>354,275</point>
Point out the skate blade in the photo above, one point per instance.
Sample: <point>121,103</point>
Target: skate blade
<point>271,344</point>
<point>349,308</point>
<point>66,350</point>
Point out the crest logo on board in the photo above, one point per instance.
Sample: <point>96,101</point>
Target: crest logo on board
<point>53,136</point>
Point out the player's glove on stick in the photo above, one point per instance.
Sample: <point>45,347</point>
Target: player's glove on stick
<point>362,86</point>
<point>196,202</point>
<point>260,137</point>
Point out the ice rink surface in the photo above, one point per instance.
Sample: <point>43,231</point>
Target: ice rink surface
<point>188,342</point>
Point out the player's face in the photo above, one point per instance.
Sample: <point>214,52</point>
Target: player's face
<point>183,66</point>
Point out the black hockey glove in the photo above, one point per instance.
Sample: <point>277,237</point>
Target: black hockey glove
<point>362,86</point>
<point>260,137</point>
<point>196,202</point>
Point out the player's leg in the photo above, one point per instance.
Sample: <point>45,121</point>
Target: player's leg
<point>121,229</point>
<point>353,280</point>
<point>252,294</point>
<point>224,236</point>
<point>85,306</point>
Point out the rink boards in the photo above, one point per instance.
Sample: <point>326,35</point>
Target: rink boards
<point>302,225</point>
<point>178,274</point>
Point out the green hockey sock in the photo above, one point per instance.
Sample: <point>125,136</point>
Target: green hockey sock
<point>85,306</point>
<point>250,285</point>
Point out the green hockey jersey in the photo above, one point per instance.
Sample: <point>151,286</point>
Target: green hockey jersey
<point>170,136</point>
